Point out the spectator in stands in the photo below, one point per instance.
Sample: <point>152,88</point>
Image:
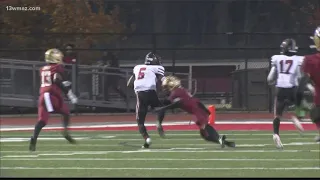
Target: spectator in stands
<point>70,57</point>
<point>109,59</point>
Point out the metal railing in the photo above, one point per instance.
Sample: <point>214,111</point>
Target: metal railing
<point>20,80</point>
<point>247,52</point>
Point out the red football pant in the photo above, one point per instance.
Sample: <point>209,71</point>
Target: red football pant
<point>49,103</point>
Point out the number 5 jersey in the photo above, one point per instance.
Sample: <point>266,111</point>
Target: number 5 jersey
<point>146,77</point>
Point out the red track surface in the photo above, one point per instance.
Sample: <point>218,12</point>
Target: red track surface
<point>17,121</point>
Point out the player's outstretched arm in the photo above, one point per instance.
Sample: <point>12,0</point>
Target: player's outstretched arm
<point>176,102</point>
<point>272,75</point>
<point>65,87</point>
<point>130,81</point>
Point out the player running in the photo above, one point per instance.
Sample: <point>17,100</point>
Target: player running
<point>144,80</point>
<point>311,72</point>
<point>181,98</point>
<point>53,84</point>
<point>286,70</point>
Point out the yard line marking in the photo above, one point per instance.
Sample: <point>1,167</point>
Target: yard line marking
<point>183,139</point>
<point>110,138</point>
<point>148,168</point>
<point>40,138</point>
<point>187,148</point>
<point>170,151</point>
<point>22,156</point>
<point>145,159</point>
<point>165,144</point>
<point>59,154</point>
<point>147,125</point>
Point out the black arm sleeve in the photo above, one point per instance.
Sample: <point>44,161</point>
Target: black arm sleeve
<point>64,85</point>
<point>170,106</point>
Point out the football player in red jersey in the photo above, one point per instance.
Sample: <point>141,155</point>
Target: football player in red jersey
<point>311,70</point>
<point>181,98</point>
<point>53,84</point>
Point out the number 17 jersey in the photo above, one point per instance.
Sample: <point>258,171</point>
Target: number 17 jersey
<point>146,77</point>
<point>287,70</point>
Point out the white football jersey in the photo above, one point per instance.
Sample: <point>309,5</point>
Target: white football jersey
<point>287,70</point>
<point>145,76</point>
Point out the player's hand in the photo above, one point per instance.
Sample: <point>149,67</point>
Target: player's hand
<point>271,83</point>
<point>158,109</point>
<point>73,98</point>
<point>311,88</point>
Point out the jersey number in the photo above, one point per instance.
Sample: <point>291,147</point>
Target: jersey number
<point>141,73</point>
<point>288,64</point>
<point>46,78</point>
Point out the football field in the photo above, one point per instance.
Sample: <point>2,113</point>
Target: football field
<point>180,154</point>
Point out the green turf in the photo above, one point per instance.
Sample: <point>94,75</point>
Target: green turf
<point>181,154</point>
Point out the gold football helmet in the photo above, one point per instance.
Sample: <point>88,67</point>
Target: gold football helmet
<point>171,82</point>
<point>316,39</point>
<point>54,56</point>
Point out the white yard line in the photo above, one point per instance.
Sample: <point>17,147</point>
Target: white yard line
<point>3,140</point>
<point>145,159</point>
<point>148,168</point>
<point>112,138</point>
<point>163,144</point>
<point>147,125</point>
<point>228,150</point>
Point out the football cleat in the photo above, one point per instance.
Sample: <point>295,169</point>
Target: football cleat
<point>68,137</point>
<point>296,122</point>
<point>160,131</point>
<point>277,141</point>
<point>230,144</point>
<point>147,143</point>
<point>32,145</point>
<point>222,141</point>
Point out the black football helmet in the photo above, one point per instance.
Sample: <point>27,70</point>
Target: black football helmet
<point>288,46</point>
<point>152,59</point>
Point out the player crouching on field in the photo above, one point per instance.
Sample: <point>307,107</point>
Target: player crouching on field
<point>181,98</point>
<point>53,84</point>
<point>311,72</point>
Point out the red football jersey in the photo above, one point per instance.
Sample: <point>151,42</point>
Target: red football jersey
<point>311,66</point>
<point>188,103</point>
<point>47,74</point>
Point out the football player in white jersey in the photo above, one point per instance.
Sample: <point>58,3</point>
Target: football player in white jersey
<point>284,73</point>
<point>144,80</point>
